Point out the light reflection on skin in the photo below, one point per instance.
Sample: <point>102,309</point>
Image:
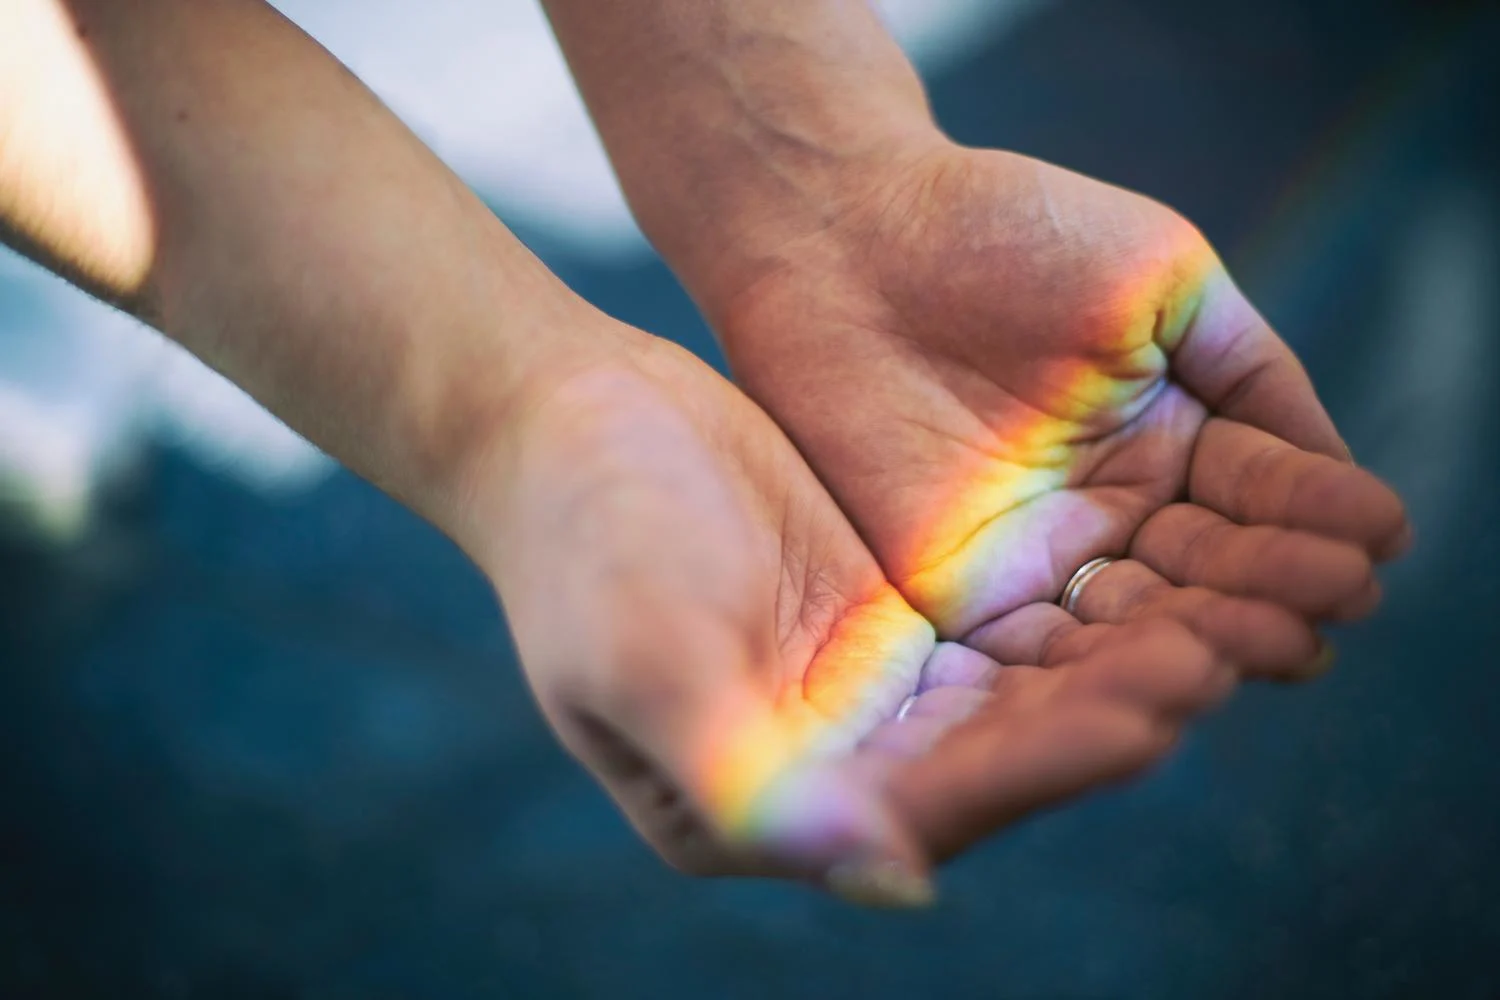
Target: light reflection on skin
<point>870,663</point>
<point>979,544</point>
<point>77,153</point>
<point>873,662</point>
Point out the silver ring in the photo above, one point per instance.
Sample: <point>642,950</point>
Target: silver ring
<point>1073,592</point>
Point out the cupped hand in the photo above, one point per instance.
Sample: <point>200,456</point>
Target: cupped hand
<point>707,633</point>
<point>1003,370</point>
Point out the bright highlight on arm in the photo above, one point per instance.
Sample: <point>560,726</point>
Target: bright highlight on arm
<point>71,189</point>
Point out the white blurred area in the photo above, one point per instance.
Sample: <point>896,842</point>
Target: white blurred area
<point>83,389</point>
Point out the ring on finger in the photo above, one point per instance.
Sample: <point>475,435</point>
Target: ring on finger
<point>1073,592</point>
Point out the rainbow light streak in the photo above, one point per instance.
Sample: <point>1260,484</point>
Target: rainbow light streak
<point>990,545</point>
<point>878,651</point>
<point>873,658</point>
<point>869,663</point>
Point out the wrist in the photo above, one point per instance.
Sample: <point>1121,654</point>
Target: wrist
<point>495,416</point>
<point>826,226</point>
<point>737,128</point>
<point>789,197</point>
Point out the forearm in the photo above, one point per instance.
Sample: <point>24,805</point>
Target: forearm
<point>734,124</point>
<point>206,165</point>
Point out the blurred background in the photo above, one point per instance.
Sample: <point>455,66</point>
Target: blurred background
<point>262,734</point>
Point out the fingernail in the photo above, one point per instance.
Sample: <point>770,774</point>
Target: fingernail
<point>882,884</point>
<point>1323,662</point>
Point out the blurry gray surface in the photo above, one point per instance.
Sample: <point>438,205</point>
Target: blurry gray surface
<point>252,749</point>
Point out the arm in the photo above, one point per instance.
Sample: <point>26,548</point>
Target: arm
<point>736,127</point>
<point>255,202</point>
<point>205,165</point>
<point>700,624</point>
<point>1001,369</point>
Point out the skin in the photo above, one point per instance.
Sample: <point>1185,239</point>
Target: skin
<point>737,688</point>
<point>700,623</point>
<point>999,368</point>
<point>1068,372</point>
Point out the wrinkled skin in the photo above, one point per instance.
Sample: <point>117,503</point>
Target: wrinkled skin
<point>1002,369</point>
<point>737,685</point>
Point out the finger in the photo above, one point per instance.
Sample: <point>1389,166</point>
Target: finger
<point>1261,639</point>
<point>1156,666</point>
<point>955,665</point>
<point>906,739</point>
<point>1042,634</point>
<point>923,721</point>
<point>1314,576</point>
<point>947,705</point>
<point>761,778</point>
<point>1023,635</point>
<point>1079,643</point>
<point>989,773</point>
<point>1251,477</point>
<point>1232,360</point>
<point>1103,719</point>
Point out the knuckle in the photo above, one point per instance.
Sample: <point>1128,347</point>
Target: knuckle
<point>1166,636</point>
<point>1069,642</point>
<point>1147,596</point>
<point>1203,543</point>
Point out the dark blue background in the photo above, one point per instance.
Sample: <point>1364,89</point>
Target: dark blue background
<point>260,750</point>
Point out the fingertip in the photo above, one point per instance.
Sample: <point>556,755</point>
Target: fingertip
<point>1260,639</point>
<point>1311,667</point>
<point>1254,478</point>
<point>1323,662</point>
<point>1378,510</point>
<point>1162,669</point>
<point>1146,740</point>
<point>1359,605</point>
<point>822,819</point>
<point>1397,543</point>
<point>885,884</point>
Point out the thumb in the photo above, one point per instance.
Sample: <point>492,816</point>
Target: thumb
<point>1232,360</point>
<point>771,781</point>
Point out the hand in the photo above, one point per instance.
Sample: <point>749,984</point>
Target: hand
<point>700,623</point>
<point>709,636</point>
<point>1002,370</point>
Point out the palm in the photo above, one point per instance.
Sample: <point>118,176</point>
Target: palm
<point>1013,370</point>
<point>740,688</point>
